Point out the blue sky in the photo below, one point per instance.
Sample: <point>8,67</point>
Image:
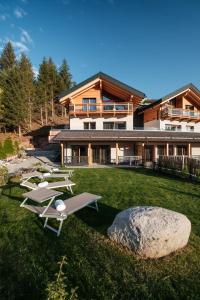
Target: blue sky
<point>153,45</point>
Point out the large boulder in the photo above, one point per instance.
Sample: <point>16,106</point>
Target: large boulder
<point>151,232</point>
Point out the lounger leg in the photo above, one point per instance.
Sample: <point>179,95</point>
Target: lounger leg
<point>60,227</point>
<point>95,206</point>
<point>42,214</point>
<point>22,204</point>
<point>45,223</point>
<point>69,188</point>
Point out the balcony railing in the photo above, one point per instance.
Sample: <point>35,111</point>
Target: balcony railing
<point>103,108</point>
<point>180,113</point>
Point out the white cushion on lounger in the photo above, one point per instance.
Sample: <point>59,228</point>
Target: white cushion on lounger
<point>46,174</point>
<point>60,205</point>
<point>55,169</point>
<point>43,184</point>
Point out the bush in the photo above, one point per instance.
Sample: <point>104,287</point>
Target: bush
<point>8,146</point>
<point>58,289</point>
<point>2,152</point>
<point>3,175</point>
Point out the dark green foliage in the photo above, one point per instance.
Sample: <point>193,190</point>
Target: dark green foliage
<point>64,77</point>
<point>7,59</point>
<point>100,269</point>
<point>8,146</point>
<point>22,96</point>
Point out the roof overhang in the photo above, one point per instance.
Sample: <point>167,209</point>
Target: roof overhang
<point>126,136</point>
<point>106,83</point>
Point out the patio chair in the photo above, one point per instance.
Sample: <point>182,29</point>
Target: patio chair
<point>72,205</point>
<point>27,176</point>
<point>50,185</point>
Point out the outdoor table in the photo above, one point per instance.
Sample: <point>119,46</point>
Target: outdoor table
<point>41,195</point>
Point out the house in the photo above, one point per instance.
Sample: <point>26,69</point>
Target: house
<point>112,122</point>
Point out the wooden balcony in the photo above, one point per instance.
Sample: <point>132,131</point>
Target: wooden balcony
<point>180,114</point>
<point>101,109</point>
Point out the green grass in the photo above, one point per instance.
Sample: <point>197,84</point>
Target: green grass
<point>101,270</point>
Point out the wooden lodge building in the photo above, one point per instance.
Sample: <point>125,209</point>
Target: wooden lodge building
<point>113,123</point>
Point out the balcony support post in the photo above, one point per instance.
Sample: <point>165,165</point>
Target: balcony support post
<point>89,155</point>
<point>62,153</point>
<point>175,150</point>
<point>167,149</point>
<point>189,149</point>
<point>117,153</point>
<point>155,153</point>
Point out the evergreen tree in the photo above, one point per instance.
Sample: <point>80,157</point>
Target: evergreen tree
<point>42,88</point>
<point>15,106</point>
<point>64,81</point>
<point>52,84</point>
<point>64,77</point>
<point>27,82</point>
<point>7,59</point>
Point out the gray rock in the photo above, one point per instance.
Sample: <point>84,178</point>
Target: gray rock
<point>151,232</point>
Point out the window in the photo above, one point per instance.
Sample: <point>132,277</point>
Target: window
<point>108,125</point>
<point>114,125</point>
<point>89,125</point>
<point>189,128</point>
<point>190,107</point>
<point>171,127</point>
<point>88,104</point>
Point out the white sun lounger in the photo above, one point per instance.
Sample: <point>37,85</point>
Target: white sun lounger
<point>55,170</point>
<point>51,185</point>
<point>27,176</point>
<point>72,204</point>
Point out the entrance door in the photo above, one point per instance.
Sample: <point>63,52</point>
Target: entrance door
<point>101,154</point>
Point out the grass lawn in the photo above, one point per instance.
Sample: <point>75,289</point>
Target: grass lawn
<point>101,270</point>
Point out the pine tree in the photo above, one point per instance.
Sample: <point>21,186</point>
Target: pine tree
<point>42,88</point>
<point>52,84</point>
<point>27,82</point>
<point>64,81</point>
<point>15,107</point>
<point>7,59</point>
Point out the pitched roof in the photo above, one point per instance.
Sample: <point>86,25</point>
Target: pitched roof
<point>102,75</point>
<point>125,135</point>
<point>172,95</point>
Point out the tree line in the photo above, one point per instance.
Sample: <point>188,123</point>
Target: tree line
<point>24,97</point>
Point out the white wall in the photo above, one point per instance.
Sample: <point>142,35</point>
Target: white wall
<point>160,124</point>
<point>154,124</point>
<point>195,150</point>
<point>77,123</point>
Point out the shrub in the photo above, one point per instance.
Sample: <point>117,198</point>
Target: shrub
<point>2,152</point>
<point>3,175</point>
<point>8,146</point>
<point>57,290</point>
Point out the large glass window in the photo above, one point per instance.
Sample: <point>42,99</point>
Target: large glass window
<point>89,125</point>
<point>114,125</point>
<point>89,104</point>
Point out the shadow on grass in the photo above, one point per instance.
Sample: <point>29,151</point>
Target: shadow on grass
<point>99,221</point>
